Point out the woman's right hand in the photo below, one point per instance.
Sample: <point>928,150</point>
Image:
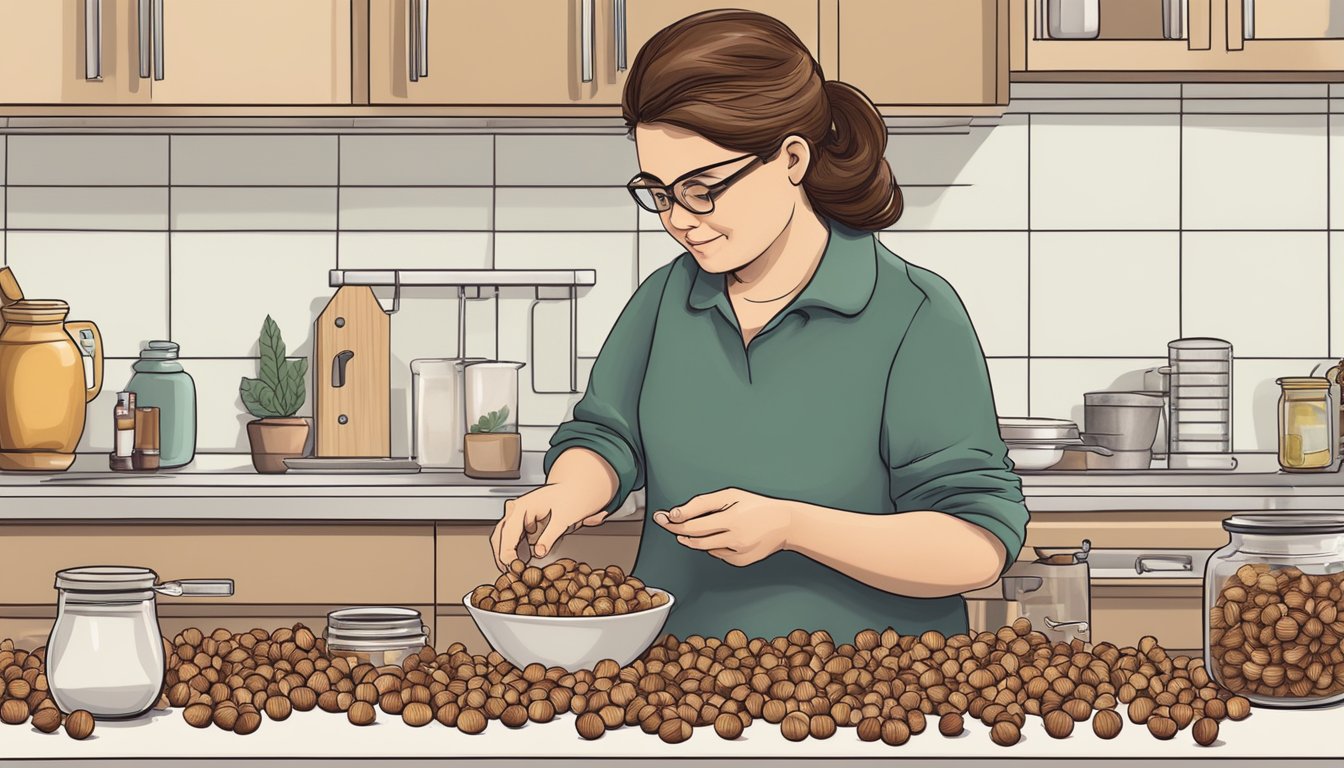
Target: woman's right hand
<point>541,516</point>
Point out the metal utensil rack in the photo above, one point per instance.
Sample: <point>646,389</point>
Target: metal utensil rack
<point>476,279</point>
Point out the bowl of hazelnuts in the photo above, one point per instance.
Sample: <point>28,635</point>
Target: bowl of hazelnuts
<point>568,614</point>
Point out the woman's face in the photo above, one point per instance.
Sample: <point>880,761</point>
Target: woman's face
<point>747,217</point>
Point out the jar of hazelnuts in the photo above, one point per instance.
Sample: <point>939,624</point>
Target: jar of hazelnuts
<point>1274,600</point>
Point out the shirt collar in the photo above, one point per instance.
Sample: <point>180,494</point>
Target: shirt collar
<point>843,282</point>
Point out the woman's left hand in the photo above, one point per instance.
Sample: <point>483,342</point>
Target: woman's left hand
<point>738,527</point>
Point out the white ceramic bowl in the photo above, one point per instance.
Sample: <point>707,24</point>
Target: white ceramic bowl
<point>572,642</point>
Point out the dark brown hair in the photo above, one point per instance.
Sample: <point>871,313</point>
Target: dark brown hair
<point>745,81</point>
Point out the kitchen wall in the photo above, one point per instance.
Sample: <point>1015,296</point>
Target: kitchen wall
<point>1084,229</point>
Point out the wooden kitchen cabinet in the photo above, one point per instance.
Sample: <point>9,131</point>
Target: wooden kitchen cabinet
<point>45,47</point>
<point>485,52</point>
<point>643,20</point>
<point>916,53</point>
<point>254,52</point>
<point>1261,37</point>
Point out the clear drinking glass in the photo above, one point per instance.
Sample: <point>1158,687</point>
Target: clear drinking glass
<point>492,395</point>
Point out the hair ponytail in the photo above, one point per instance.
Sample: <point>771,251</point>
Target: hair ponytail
<point>745,81</point>
<point>850,180</point>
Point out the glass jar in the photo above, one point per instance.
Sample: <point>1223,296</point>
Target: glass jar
<point>376,635</point>
<point>160,381</point>
<point>1274,609</point>
<point>105,652</point>
<point>1308,439</point>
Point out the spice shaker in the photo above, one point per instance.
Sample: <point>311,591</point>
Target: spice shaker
<point>105,653</point>
<point>146,454</point>
<point>123,429</point>
<point>160,381</point>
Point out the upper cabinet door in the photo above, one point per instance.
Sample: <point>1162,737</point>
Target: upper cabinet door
<point>485,52</point>
<point>631,23</point>
<point>70,52</point>
<point>918,53</point>
<point>251,51</point>
<point>1279,35</point>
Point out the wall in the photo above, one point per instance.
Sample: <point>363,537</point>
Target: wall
<point>1085,229</point>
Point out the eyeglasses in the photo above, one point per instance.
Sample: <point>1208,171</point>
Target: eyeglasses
<point>695,196</point>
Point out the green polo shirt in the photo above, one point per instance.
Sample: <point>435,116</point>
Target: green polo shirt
<point>868,393</point>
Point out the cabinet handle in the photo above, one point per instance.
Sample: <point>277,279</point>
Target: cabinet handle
<point>586,40</point>
<point>417,33</point>
<point>158,39</point>
<point>93,41</point>
<point>618,22</point>
<point>143,38</point>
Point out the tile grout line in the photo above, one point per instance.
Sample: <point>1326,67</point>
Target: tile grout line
<point>4,209</point>
<point>1029,239</point>
<point>1180,213</point>
<point>494,234</point>
<point>1329,290</point>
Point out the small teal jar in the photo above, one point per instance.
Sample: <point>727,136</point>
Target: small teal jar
<point>160,381</point>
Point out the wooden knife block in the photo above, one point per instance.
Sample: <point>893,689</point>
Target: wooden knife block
<point>352,376</point>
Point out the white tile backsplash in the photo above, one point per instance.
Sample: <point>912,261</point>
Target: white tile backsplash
<point>71,160</point>
<point>414,250</point>
<point>1064,299</point>
<point>560,209</point>
<point>988,271</point>
<point>1008,378</point>
<point>1105,171</point>
<point>254,160</point>
<point>612,255</point>
<point>1266,292</point>
<point>1104,294</point>
<point>89,208</point>
<point>254,208</point>
<point>981,177</point>
<point>401,208</point>
<point>117,280</point>
<point>1263,171</point>
<point>224,286</point>
<point>565,160</point>
<point>417,160</point>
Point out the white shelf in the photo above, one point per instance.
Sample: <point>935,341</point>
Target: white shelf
<point>463,277</point>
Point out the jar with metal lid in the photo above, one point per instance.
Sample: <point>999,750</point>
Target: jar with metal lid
<point>1308,427</point>
<point>376,635</point>
<point>105,653</point>
<point>1274,609</point>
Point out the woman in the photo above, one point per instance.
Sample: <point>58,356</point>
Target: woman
<point>811,415</point>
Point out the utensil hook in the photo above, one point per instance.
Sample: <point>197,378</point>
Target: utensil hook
<point>396,292</point>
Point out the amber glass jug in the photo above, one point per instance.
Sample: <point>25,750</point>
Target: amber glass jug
<point>42,388</point>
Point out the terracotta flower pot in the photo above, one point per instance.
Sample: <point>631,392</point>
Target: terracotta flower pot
<point>274,440</point>
<point>492,455</point>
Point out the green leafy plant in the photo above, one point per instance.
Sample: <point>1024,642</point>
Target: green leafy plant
<point>279,390</point>
<point>492,421</point>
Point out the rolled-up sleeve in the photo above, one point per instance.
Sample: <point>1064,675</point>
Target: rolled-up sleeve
<point>606,418</point>
<point>940,434</point>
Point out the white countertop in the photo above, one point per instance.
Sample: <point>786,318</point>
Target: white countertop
<point>1275,735</point>
<point>224,486</point>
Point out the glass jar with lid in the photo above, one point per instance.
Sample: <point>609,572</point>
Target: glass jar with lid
<point>1274,609</point>
<point>1308,429</point>
<point>376,635</point>
<point>105,654</point>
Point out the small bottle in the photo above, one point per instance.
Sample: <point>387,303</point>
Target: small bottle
<point>146,455</point>
<point>123,430</point>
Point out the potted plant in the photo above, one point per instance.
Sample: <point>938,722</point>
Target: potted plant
<point>490,450</point>
<point>274,397</point>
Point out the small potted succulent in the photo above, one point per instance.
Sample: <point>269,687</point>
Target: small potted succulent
<point>274,397</point>
<point>491,449</point>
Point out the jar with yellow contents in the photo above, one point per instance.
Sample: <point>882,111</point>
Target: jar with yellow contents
<point>1308,425</point>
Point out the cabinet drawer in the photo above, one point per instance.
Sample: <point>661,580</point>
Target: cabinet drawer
<point>464,561</point>
<point>269,563</point>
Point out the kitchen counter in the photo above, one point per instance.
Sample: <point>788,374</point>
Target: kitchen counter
<point>213,485</point>
<point>1282,737</point>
